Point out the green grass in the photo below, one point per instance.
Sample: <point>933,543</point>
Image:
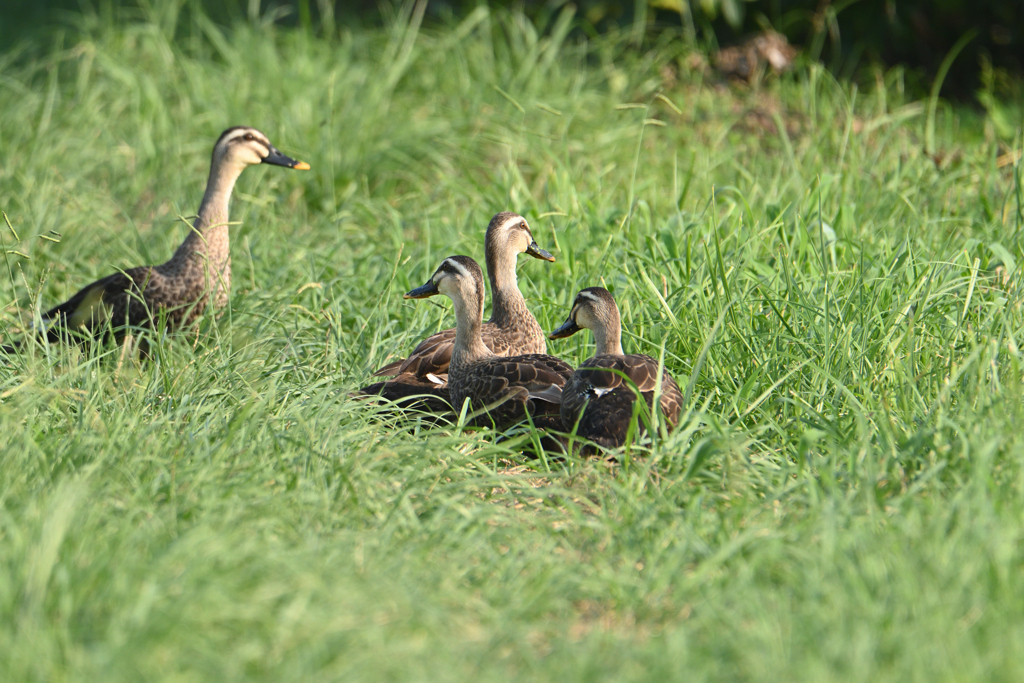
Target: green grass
<point>842,500</point>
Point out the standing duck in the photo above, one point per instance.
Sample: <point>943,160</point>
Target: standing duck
<point>506,387</point>
<point>511,330</point>
<point>602,401</point>
<point>176,292</point>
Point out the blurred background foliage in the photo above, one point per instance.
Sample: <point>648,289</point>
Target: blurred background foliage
<point>853,38</point>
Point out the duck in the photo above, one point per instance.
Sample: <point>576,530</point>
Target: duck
<point>511,330</point>
<point>175,293</point>
<point>601,402</point>
<point>502,390</point>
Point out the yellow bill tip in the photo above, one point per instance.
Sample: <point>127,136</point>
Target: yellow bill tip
<point>301,166</point>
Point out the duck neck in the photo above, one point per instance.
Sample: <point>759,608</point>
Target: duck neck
<point>207,243</point>
<point>469,346</point>
<point>609,341</point>
<point>508,302</point>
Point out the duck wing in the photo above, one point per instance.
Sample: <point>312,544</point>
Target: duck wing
<point>602,372</point>
<point>410,391</point>
<point>601,400</point>
<point>434,354</point>
<point>534,371</point>
<point>508,388</point>
<point>120,298</point>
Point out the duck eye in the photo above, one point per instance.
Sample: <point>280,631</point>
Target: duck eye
<point>249,136</point>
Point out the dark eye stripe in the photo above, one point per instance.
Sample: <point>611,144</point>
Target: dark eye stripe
<point>454,267</point>
<point>243,139</point>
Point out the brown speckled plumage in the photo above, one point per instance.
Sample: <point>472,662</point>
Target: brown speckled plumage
<point>601,400</point>
<point>511,330</point>
<point>504,388</point>
<point>197,275</point>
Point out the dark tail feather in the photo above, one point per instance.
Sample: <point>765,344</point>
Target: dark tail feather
<point>424,396</point>
<point>389,370</point>
<point>18,346</point>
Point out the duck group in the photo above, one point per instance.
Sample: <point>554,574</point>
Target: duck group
<point>497,371</point>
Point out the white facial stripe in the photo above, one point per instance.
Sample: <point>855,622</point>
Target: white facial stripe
<point>458,267</point>
<point>510,222</point>
<point>589,296</point>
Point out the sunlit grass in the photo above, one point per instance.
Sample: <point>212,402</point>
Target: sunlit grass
<point>842,499</point>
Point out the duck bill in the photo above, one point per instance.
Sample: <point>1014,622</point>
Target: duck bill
<point>568,328</point>
<point>423,291</point>
<point>277,159</point>
<point>536,252</point>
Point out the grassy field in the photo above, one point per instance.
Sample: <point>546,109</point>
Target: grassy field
<point>843,499</point>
